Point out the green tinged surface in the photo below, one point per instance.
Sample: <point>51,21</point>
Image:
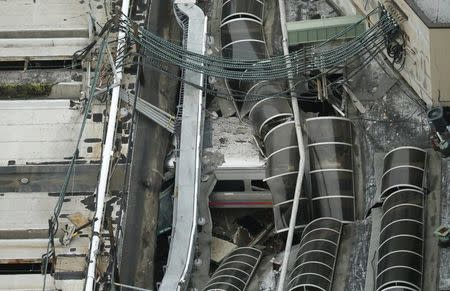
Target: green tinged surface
<point>30,90</point>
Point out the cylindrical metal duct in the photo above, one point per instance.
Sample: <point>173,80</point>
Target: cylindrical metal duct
<point>243,38</point>
<point>235,271</point>
<point>404,168</point>
<point>316,258</point>
<point>400,250</point>
<point>331,167</point>
<point>268,113</point>
<point>238,9</point>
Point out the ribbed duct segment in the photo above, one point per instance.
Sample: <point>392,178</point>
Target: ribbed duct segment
<point>268,113</point>
<point>400,251</point>
<point>238,9</point>
<point>331,167</point>
<point>316,258</point>
<point>243,38</point>
<point>404,168</point>
<point>235,271</point>
<point>272,120</point>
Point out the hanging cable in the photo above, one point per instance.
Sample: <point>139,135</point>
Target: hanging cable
<point>318,57</point>
<point>53,223</point>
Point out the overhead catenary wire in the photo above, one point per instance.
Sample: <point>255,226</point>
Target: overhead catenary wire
<point>376,48</point>
<point>159,53</point>
<point>317,57</point>
<point>323,60</point>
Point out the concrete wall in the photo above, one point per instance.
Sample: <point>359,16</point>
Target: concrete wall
<point>345,7</point>
<point>440,64</point>
<point>417,70</point>
<point>426,65</point>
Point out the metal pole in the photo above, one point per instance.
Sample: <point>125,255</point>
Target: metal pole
<point>106,157</point>
<point>301,148</point>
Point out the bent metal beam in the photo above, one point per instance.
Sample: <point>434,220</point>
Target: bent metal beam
<point>188,172</point>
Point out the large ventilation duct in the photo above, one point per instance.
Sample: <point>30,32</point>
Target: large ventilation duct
<point>400,249</point>
<point>316,258</point>
<point>272,119</point>
<point>404,168</point>
<point>241,30</point>
<point>243,38</point>
<point>235,271</point>
<point>331,167</point>
<point>238,9</point>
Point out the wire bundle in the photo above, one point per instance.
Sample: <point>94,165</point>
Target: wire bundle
<point>319,57</point>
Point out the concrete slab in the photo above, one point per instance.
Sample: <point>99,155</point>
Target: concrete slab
<point>233,141</point>
<point>50,178</point>
<point>63,52</point>
<point>31,250</point>
<point>47,29</point>
<point>343,259</point>
<point>31,211</point>
<point>378,162</point>
<point>42,16</point>
<point>444,280</point>
<point>358,177</point>
<point>432,221</point>
<point>34,131</point>
<point>34,282</point>
<point>437,11</point>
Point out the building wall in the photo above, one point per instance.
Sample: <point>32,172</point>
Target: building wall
<point>440,64</point>
<point>417,69</point>
<point>346,7</point>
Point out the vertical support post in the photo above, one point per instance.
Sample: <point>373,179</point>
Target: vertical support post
<point>301,148</point>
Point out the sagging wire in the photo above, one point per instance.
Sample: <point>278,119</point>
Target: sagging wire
<point>274,67</point>
<point>310,58</point>
<point>82,53</point>
<point>395,45</point>
<point>254,97</point>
